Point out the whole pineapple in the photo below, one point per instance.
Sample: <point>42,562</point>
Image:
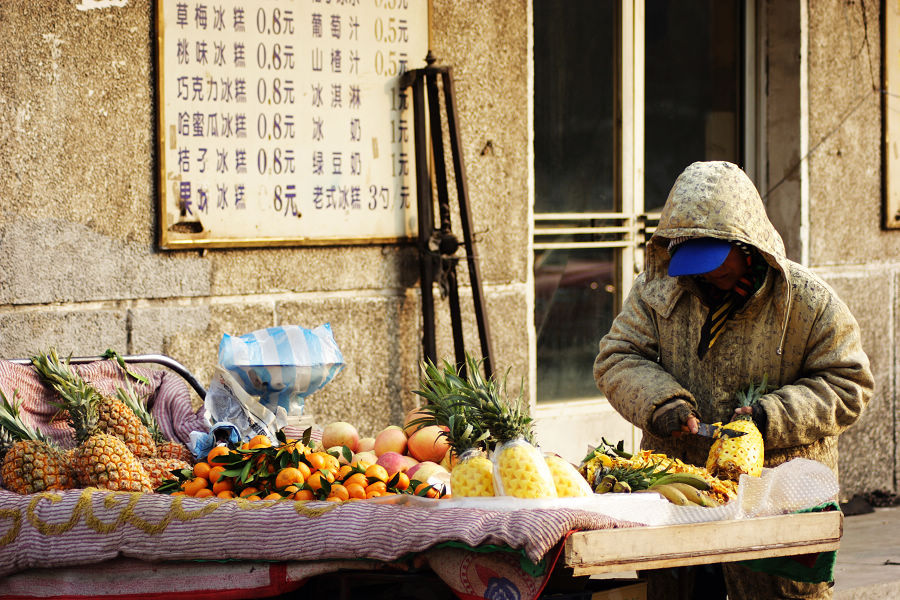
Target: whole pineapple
<point>729,457</point>
<point>473,474</point>
<point>89,411</point>
<point>32,463</point>
<point>160,469</point>
<point>165,448</point>
<point>102,458</point>
<point>104,461</point>
<point>519,467</point>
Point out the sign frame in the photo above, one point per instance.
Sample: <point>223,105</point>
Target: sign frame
<point>375,205</point>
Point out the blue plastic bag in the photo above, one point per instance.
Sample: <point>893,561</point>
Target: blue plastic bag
<point>282,365</point>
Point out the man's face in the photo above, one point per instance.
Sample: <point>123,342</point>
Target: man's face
<point>728,273</point>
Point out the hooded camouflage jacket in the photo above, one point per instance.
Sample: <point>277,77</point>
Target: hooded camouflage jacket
<point>794,329</point>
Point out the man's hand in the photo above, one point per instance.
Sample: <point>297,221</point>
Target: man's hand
<point>673,418</point>
<point>757,413</point>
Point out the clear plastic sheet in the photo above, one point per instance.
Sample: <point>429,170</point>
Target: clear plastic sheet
<point>796,485</point>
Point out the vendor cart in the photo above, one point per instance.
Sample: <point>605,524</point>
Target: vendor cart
<point>99,544</point>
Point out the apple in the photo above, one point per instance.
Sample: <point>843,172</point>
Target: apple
<point>393,462</point>
<point>390,439</point>
<point>365,444</point>
<point>428,443</point>
<point>340,433</point>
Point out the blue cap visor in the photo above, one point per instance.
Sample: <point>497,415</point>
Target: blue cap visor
<point>698,256</point>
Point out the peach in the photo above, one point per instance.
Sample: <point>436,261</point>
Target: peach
<point>410,462</point>
<point>424,470</point>
<point>390,439</point>
<point>415,413</point>
<point>367,457</point>
<point>365,444</point>
<point>339,452</point>
<point>340,433</point>
<point>428,443</point>
<point>393,462</point>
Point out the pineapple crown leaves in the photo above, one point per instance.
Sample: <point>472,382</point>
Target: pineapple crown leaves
<point>752,393</point>
<point>445,405</point>
<point>113,355</point>
<point>130,399</point>
<point>12,427</point>
<point>504,418</point>
<point>79,399</point>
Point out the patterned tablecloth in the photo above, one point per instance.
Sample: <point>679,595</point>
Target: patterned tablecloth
<point>79,528</point>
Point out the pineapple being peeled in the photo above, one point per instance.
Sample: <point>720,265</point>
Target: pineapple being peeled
<point>730,457</point>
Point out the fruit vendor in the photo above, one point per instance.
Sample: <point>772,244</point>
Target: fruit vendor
<point>718,307</point>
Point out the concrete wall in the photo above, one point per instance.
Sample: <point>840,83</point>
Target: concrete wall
<point>846,243</point>
<point>79,266</point>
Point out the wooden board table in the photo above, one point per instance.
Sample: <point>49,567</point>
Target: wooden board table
<point>610,550</point>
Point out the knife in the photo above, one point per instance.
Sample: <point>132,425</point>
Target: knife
<point>714,431</point>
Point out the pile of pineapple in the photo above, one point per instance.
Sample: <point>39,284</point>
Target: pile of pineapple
<point>610,468</point>
<point>491,437</point>
<point>119,446</point>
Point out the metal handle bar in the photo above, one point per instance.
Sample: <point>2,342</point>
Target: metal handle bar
<point>159,359</point>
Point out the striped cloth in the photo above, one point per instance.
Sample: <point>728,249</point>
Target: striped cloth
<point>86,526</point>
<point>167,395</point>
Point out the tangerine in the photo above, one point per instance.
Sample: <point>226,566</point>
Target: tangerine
<point>204,493</point>
<point>259,441</point>
<point>288,476</point>
<point>216,452</point>
<point>431,493</point>
<point>359,478</point>
<point>214,474</point>
<point>223,485</point>
<point>304,495</point>
<point>201,469</point>
<point>378,472</point>
<point>314,481</point>
<point>316,460</point>
<point>273,496</point>
<point>226,494</point>
<point>192,486</point>
<point>339,491</point>
<point>376,486</point>
<point>248,491</point>
<point>355,490</point>
<point>304,469</point>
<point>402,481</point>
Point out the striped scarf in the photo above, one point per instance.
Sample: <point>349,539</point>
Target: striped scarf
<point>723,304</point>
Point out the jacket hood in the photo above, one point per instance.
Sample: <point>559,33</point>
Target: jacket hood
<point>710,199</point>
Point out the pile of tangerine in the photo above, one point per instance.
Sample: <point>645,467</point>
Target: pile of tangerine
<point>260,471</point>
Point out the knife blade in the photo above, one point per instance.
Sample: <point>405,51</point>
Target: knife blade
<point>713,431</point>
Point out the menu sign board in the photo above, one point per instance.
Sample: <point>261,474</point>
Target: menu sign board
<point>281,122</point>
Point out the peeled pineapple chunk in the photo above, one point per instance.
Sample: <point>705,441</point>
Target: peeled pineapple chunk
<point>520,471</point>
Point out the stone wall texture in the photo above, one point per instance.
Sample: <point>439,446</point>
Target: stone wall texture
<point>80,268</point>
